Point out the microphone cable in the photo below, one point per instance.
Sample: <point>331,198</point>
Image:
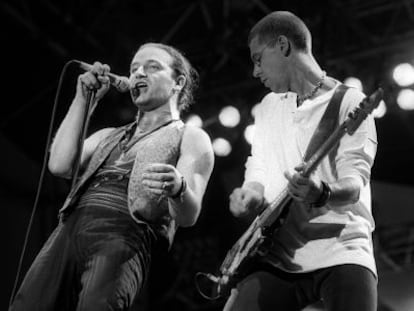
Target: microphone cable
<point>41,178</point>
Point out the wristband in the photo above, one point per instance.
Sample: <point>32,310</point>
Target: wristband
<point>324,197</point>
<point>181,191</point>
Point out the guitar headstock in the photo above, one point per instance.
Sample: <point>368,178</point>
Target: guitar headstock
<point>364,108</point>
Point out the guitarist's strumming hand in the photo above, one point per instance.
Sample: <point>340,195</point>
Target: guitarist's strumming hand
<point>306,190</point>
<point>245,201</point>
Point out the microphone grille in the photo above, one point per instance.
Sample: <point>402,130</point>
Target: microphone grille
<point>122,84</point>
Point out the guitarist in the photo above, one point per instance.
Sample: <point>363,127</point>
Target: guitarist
<point>323,251</point>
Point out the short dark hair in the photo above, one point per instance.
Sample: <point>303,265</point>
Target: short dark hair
<point>277,23</point>
<point>180,66</point>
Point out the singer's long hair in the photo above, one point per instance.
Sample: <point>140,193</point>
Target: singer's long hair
<point>181,66</point>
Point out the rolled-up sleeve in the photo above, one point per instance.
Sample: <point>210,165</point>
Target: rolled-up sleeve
<point>356,153</point>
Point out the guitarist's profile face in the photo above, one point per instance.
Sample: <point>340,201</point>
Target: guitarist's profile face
<point>270,63</point>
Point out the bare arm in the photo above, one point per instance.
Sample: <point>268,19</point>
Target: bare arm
<point>195,165</point>
<point>65,144</point>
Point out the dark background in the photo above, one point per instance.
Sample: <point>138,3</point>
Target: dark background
<point>362,38</point>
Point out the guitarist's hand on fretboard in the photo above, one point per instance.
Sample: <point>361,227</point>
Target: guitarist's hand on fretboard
<point>306,190</point>
<point>245,201</point>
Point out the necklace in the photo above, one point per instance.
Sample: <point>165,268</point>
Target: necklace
<point>302,98</point>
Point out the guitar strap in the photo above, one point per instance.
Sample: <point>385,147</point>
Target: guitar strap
<point>328,122</point>
<point>326,126</point>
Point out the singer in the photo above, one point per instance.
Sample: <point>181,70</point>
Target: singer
<point>140,182</point>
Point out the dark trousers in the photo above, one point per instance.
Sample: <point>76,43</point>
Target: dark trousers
<point>341,288</point>
<point>97,259</point>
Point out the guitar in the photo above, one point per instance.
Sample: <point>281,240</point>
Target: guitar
<point>255,239</point>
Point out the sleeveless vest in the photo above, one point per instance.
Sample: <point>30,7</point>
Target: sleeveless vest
<point>160,146</point>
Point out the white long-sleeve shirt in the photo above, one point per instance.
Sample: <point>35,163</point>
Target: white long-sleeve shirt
<point>314,238</point>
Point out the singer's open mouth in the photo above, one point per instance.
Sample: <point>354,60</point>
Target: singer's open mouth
<point>138,88</point>
<point>141,84</point>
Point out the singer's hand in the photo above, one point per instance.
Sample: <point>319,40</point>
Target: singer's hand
<point>162,179</point>
<point>95,79</point>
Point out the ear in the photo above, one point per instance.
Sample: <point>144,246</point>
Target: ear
<point>180,82</point>
<point>284,45</point>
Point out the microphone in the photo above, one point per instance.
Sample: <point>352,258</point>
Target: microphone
<point>120,83</point>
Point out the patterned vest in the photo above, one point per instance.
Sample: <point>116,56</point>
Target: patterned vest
<point>161,146</point>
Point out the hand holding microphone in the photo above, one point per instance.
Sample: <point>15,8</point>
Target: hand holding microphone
<point>98,77</point>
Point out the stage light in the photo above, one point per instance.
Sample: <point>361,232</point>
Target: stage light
<point>405,99</point>
<point>380,111</point>
<point>248,133</point>
<point>194,120</point>
<point>221,147</point>
<point>354,82</point>
<point>403,74</point>
<point>229,116</point>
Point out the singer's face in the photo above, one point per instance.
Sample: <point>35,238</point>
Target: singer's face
<point>151,78</point>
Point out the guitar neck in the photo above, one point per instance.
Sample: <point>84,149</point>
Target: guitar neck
<point>278,206</point>
<point>275,209</point>
<point>323,150</point>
